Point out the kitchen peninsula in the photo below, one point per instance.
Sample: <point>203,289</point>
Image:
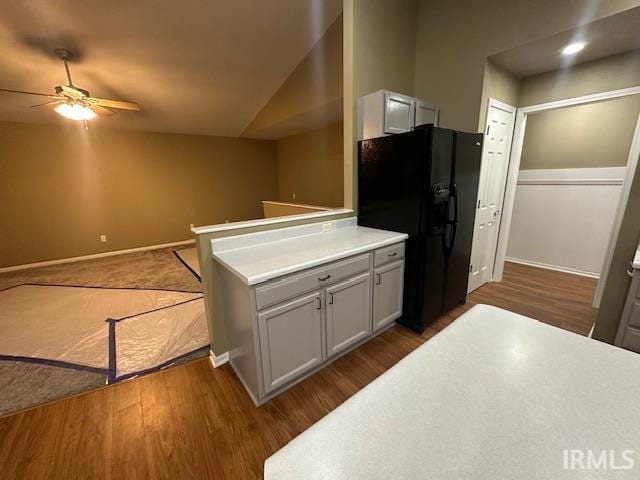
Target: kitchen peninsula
<point>296,298</point>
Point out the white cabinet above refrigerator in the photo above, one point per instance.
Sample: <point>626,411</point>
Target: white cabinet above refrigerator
<point>384,113</point>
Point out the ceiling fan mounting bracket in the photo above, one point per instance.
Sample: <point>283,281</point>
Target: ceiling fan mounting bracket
<point>63,54</point>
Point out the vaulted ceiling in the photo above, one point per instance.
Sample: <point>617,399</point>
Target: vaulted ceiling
<point>194,66</point>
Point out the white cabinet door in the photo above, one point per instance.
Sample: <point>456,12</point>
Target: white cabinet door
<point>426,113</point>
<point>348,312</point>
<point>387,294</point>
<point>291,339</point>
<point>398,113</point>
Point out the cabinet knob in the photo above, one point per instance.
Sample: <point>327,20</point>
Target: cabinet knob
<point>393,254</point>
<point>323,279</point>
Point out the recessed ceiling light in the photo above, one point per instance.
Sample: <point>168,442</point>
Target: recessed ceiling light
<point>573,48</point>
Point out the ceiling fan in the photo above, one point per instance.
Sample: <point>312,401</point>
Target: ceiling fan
<point>76,103</point>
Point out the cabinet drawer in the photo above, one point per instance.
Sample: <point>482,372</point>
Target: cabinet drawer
<point>289,287</point>
<point>631,339</point>
<point>388,254</point>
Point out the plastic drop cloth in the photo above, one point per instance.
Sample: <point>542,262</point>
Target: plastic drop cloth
<point>152,339</point>
<point>69,324</point>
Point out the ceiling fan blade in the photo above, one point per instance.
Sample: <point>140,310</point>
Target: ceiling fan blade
<point>115,104</point>
<point>103,112</point>
<point>72,92</point>
<point>46,103</point>
<point>29,93</point>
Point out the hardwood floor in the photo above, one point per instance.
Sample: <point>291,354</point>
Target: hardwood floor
<point>194,422</point>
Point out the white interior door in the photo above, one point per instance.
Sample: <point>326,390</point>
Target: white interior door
<point>493,178</point>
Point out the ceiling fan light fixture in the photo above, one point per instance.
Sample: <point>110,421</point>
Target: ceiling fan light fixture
<point>75,111</point>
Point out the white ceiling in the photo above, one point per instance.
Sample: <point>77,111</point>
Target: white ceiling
<point>609,36</point>
<point>194,66</point>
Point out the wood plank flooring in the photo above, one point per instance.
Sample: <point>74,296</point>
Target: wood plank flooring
<point>194,422</point>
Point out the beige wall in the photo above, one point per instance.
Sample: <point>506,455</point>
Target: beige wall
<point>455,38</point>
<point>63,186</point>
<point>309,96</point>
<point>310,167</point>
<point>500,85</point>
<point>574,137</point>
<point>384,45</point>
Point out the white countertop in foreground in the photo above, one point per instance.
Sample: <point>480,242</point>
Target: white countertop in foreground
<point>493,396</point>
<point>262,256</point>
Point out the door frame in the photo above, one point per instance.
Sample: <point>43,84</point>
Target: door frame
<point>511,110</point>
<point>514,169</point>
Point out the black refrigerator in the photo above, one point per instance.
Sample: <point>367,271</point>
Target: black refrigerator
<point>424,183</point>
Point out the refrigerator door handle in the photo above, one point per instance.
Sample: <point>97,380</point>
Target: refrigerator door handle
<point>452,221</point>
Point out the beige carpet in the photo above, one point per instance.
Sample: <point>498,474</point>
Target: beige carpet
<point>151,269</point>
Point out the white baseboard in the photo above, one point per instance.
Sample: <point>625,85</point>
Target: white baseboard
<point>218,360</point>
<point>47,263</point>
<point>557,268</point>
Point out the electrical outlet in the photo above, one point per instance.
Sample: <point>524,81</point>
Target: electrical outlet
<point>103,238</point>
<point>226,221</point>
<point>327,227</point>
<point>294,196</point>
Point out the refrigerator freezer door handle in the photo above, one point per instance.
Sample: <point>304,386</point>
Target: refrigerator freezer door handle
<point>452,221</point>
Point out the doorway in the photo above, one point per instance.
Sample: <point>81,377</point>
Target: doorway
<point>501,174</point>
<point>624,180</point>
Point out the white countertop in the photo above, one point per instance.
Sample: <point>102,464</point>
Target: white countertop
<point>636,259</point>
<point>493,396</point>
<point>262,256</point>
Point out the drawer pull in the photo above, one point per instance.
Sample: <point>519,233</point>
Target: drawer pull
<point>319,304</point>
<point>324,279</point>
<point>393,254</point>
<point>378,279</point>
<point>330,298</point>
